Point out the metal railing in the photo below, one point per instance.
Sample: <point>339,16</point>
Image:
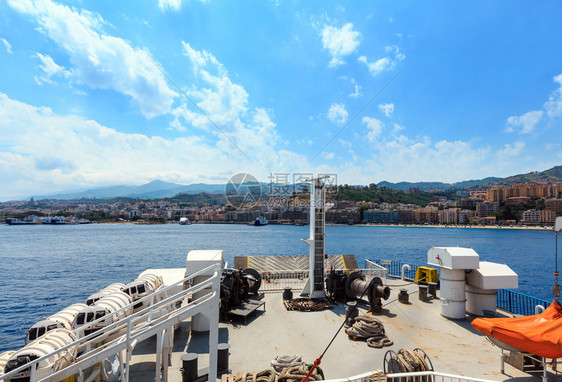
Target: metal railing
<point>394,268</point>
<point>421,376</point>
<point>278,281</point>
<point>517,302</point>
<point>122,336</point>
<point>373,269</point>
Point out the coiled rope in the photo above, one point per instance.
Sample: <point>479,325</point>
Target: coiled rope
<point>289,374</point>
<point>306,305</point>
<point>297,373</point>
<point>282,362</point>
<point>371,329</point>
<point>267,375</point>
<point>408,361</point>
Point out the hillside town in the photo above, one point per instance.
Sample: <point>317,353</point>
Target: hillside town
<point>520,204</point>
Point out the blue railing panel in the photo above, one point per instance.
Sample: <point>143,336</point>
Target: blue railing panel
<point>518,303</point>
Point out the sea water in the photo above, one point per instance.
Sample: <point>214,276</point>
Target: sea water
<point>47,268</point>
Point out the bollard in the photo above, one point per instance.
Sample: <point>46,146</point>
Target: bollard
<point>287,294</point>
<point>423,293</point>
<point>432,289</point>
<point>351,313</point>
<point>403,296</point>
<point>189,370</point>
<point>222,362</point>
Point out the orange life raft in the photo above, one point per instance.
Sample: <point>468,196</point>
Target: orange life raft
<point>539,334</point>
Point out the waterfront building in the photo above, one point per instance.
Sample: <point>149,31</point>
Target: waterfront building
<point>530,216</point>
<point>517,200</point>
<point>530,190</point>
<point>382,217</point>
<point>485,209</point>
<point>405,216</point>
<point>554,205</point>
<point>465,215</point>
<point>448,216</point>
<point>547,217</point>
<point>426,216</point>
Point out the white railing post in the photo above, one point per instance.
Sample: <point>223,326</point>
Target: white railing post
<point>539,309</point>
<point>158,357</point>
<point>214,330</point>
<point>404,270</point>
<point>129,351</point>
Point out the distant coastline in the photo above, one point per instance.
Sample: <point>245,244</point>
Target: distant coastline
<point>536,228</point>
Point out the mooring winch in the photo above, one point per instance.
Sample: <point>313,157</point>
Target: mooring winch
<point>342,286</point>
<point>236,286</point>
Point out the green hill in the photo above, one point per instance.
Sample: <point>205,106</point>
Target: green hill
<point>552,175</point>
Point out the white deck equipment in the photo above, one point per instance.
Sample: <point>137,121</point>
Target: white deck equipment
<point>453,262</point>
<point>52,341</point>
<point>198,260</point>
<point>482,285</point>
<point>62,319</point>
<point>104,292</point>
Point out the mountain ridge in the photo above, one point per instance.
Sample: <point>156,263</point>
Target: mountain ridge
<point>160,189</point>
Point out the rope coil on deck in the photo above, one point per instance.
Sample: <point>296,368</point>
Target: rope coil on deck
<point>297,373</point>
<point>306,304</point>
<point>289,374</point>
<point>267,375</point>
<point>371,329</point>
<point>282,362</point>
<point>408,361</point>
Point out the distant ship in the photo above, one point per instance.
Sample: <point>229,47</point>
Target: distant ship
<point>184,221</point>
<point>260,220</point>
<point>31,219</point>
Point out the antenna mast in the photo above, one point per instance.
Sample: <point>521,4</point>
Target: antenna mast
<point>314,287</point>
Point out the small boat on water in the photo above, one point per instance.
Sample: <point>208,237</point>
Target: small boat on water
<point>260,220</point>
<point>184,221</point>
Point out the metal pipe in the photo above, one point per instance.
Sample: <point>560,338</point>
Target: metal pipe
<point>539,309</point>
<point>404,270</point>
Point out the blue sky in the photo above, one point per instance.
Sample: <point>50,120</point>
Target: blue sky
<point>96,93</point>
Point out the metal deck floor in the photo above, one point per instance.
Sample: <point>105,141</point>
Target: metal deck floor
<point>453,346</point>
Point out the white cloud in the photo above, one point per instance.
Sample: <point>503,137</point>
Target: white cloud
<point>527,122</point>
<point>101,61</point>
<point>397,127</point>
<point>387,109</point>
<point>328,156</point>
<point>226,103</point>
<point>510,151</point>
<point>50,69</point>
<point>374,127</point>
<point>339,42</point>
<point>7,45</point>
<point>201,59</point>
<point>551,146</point>
<point>553,106</point>
<point>385,63</point>
<point>173,5</point>
<point>357,87</point>
<point>349,147</point>
<point>337,113</point>
<point>43,152</point>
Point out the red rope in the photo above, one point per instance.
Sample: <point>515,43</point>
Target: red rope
<point>316,364</point>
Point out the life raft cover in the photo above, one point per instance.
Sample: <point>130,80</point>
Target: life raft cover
<point>539,334</point>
